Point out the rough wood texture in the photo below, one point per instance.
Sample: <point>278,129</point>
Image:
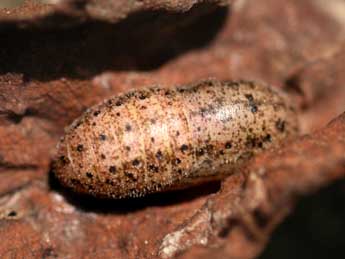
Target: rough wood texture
<point>58,60</point>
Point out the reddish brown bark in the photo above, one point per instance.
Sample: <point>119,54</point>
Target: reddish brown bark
<point>58,60</point>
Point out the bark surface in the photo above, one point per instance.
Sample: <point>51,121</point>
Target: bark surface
<point>58,60</point>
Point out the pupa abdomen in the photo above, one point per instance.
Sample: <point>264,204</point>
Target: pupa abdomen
<point>156,139</point>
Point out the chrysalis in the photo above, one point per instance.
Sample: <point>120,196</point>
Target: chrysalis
<point>157,139</point>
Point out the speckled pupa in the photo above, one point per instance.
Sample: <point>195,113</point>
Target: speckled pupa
<point>156,139</point>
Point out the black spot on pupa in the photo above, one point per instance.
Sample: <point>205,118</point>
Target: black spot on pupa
<point>102,137</point>
<point>64,160</point>
<point>280,125</point>
<point>93,123</point>
<point>118,114</point>
<point>184,148</point>
<point>250,142</point>
<point>267,138</point>
<point>179,171</point>
<point>153,168</point>
<point>131,175</point>
<point>130,94</point>
<point>80,148</point>
<point>199,129</point>
<point>128,127</point>
<point>249,97</point>
<point>153,140</point>
<point>253,107</point>
<point>102,156</point>
<point>228,145</point>
<point>128,148</point>
<point>135,162</point>
<point>203,111</point>
<point>89,175</point>
<point>159,155</point>
<point>12,213</point>
<point>177,161</point>
<point>118,103</point>
<point>200,152</point>
<point>77,124</point>
<point>96,113</point>
<point>168,93</point>
<point>142,96</point>
<point>112,169</point>
<point>177,133</point>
